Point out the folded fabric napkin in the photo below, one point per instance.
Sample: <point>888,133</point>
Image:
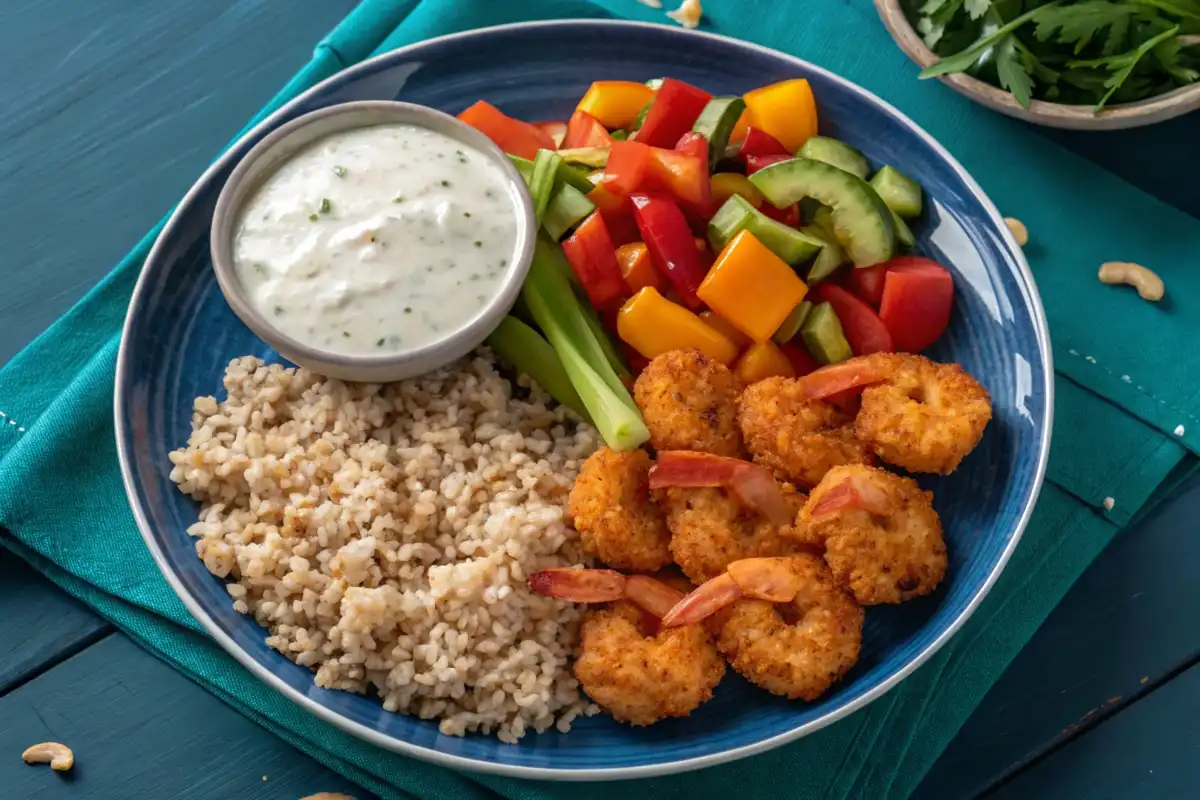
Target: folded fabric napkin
<point>1126,417</point>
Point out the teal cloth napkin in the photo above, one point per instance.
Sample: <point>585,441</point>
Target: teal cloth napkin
<point>1126,404</point>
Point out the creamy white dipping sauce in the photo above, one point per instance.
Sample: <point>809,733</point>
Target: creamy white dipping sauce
<point>376,240</point>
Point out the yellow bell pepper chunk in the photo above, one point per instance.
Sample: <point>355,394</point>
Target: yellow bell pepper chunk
<point>725,185</point>
<point>615,103</point>
<point>653,325</point>
<point>731,333</point>
<point>740,128</point>
<point>785,110</point>
<point>763,360</point>
<point>751,288</point>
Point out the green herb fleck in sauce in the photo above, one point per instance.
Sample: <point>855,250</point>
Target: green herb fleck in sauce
<point>478,243</point>
<point>313,217</point>
<point>326,206</point>
<point>340,171</point>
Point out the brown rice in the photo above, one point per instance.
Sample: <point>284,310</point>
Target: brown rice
<point>383,534</point>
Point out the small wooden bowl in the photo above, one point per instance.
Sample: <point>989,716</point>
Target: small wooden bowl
<point>1055,115</point>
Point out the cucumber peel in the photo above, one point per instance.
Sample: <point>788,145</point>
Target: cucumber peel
<point>715,124</point>
<point>835,153</point>
<point>898,191</point>
<point>736,213</point>
<point>862,222</point>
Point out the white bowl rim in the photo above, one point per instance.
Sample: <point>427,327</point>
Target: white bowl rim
<point>378,739</point>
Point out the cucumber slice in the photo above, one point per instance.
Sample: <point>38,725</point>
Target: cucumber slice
<point>792,324</point>
<point>619,135</point>
<point>904,235</point>
<point>715,124</point>
<point>594,157</point>
<point>641,117</point>
<point>823,335</point>
<point>568,207</point>
<point>655,83</point>
<point>836,153</point>
<point>541,182</point>
<point>829,260</point>
<point>861,221</point>
<point>901,193</point>
<point>788,243</point>
<point>823,219</point>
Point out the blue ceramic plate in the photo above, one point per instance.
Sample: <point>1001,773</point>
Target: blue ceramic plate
<point>180,334</point>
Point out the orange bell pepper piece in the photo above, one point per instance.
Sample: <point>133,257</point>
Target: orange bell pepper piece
<point>751,288</point>
<point>786,110</point>
<point>616,104</point>
<point>636,267</point>
<point>715,322</point>
<point>653,325</point>
<point>725,185</point>
<point>763,360</point>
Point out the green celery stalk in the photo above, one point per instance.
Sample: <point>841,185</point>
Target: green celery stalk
<point>564,321</point>
<point>524,348</point>
<point>568,207</point>
<point>541,183</point>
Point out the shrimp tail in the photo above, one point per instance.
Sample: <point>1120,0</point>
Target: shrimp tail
<point>652,596</point>
<point>754,486</point>
<point>579,585</point>
<point>705,601</point>
<point>851,493</point>
<point>770,579</point>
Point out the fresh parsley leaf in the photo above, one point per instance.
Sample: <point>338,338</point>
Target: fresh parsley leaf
<point>1078,23</point>
<point>1034,65</point>
<point>1122,64</point>
<point>977,8</point>
<point>1170,59</point>
<point>962,61</point>
<point>1188,9</point>
<point>1012,73</point>
<point>1118,32</point>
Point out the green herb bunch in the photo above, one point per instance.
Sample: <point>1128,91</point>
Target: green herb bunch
<point>1081,52</point>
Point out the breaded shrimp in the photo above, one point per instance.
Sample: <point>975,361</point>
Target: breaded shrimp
<point>710,528</point>
<point>611,508</point>
<point>881,535</point>
<point>915,413</point>
<point>638,672</point>
<point>689,402</point>
<point>799,437</point>
<point>924,416</point>
<point>783,623</point>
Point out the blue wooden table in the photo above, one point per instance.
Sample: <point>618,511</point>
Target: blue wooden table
<point>113,107</point>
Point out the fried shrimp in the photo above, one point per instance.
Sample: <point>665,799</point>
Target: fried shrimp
<point>916,413</point>
<point>638,671</point>
<point>689,402</point>
<point>612,510</point>
<point>790,433</point>
<point>881,535</point>
<point>783,623</point>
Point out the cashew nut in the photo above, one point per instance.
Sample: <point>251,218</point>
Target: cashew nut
<point>1018,230</point>
<point>328,796</point>
<point>1147,283</point>
<point>58,756</point>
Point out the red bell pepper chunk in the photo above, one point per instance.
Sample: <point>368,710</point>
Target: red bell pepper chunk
<point>672,113</point>
<point>511,135</point>
<point>666,233</point>
<point>864,330</point>
<point>584,130</point>
<point>758,143</point>
<point>802,363</point>
<point>918,295</point>
<point>867,283</point>
<point>755,163</point>
<point>555,129</point>
<point>788,216</point>
<point>636,167</point>
<point>594,260</point>
<point>693,144</point>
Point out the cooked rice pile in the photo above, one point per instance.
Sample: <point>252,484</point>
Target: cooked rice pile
<point>383,535</point>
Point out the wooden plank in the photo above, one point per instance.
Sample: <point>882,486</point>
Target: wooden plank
<point>44,623</point>
<point>1116,635</point>
<point>112,109</point>
<point>1148,750</point>
<point>140,729</point>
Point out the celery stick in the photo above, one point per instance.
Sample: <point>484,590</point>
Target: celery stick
<point>541,183</point>
<point>524,348</point>
<point>561,317</point>
<point>568,207</point>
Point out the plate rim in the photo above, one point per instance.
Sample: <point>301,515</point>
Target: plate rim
<point>430,755</point>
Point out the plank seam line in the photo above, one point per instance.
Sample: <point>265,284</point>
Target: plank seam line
<point>1083,728</point>
<point>66,654</point>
